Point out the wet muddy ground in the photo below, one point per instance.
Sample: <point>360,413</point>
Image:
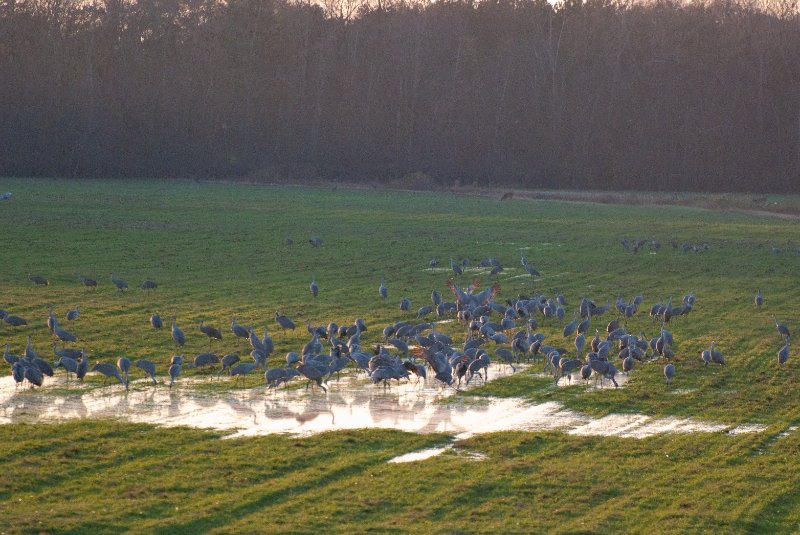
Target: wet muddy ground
<point>351,403</point>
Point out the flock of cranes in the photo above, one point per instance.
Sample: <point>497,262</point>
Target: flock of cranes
<point>506,332</point>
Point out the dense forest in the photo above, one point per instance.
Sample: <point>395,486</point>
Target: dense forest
<point>600,94</point>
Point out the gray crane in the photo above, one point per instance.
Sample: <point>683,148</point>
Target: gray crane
<point>38,280</point>
<point>73,314</point>
<point>15,321</point>
<point>227,361</point>
<point>69,365</point>
<point>119,283</point>
<point>83,365</point>
<point>783,330</point>
<point>177,334</point>
<point>567,366</point>
<point>109,371</point>
<point>628,362</point>
<point>18,372</point>
<point>586,372</point>
<point>284,322</point>
<point>580,342</point>
<point>239,331</point>
<point>155,321</point>
<point>312,373</point>
<point>569,328</point>
<point>783,354</point>
<point>88,282</point>
<point>63,335</point>
<point>212,332</point>
<point>68,352</point>
<point>33,374</point>
<point>205,359</point>
<point>30,353</point>
<point>124,365</point>
<point>259,357</point>
<point>255,341</point>
<point>51,319</point>
<point>382,291</point>
<point>43,365</point>
<point>9,357</point>
<point>669,373</point>
<point>175,370</point>
<point>314,288</point>
<point>715,356</point>
<point>243,368</point>
<point>759,298</point>
<point>148,367</point>
<point>275,376</point>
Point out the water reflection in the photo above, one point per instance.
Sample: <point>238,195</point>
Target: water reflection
<point>351,403</point>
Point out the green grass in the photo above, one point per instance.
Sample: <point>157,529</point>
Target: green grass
<point>109,477</point>
<point>219,250</point>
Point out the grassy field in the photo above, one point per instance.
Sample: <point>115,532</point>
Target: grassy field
<point>220,250</point>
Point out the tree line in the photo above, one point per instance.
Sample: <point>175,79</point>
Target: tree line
<point>599,94</point>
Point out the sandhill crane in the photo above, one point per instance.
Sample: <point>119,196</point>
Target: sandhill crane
<point>148,367</point>
<point>63,335</point>
<point>109,370</point>
<point>177,333</point>
<point>205,359</point>
<point>88,282</point>
<point>73,314</point>
<point>18,372</point>
<point>9,357</point>
<point>174,371</point>
<point>382,290</point>
<point>69,365</point>
<point>68,352</point>
<point>38,279</point>
<point>33,374</point>
<point>315,241</point>
<point>314,288</point>
<point>212,332</point>
<point>30,353</point>
<point>405,304</point>
<point>759,298</point>
<point>783,330</point>
<point>119,283</point>
<point>284,322</point>
<point>569,328</point>
<point>275,376</point>
<point>124,365</point>
<point>455,267</point>
<point>148,285</point>
<point>155,321</point>
<point>669,373</point>
<point>83,365</point>
<point>15,321</point>
<point>239,331</point>
<point>243,368</point>
<point>580,342</point>
<point>255,341</point>
<point>227,361</point>
<point>783,354</point>
<point>312,373</point>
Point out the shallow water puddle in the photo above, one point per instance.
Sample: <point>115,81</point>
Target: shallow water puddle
<point>352,403</point>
